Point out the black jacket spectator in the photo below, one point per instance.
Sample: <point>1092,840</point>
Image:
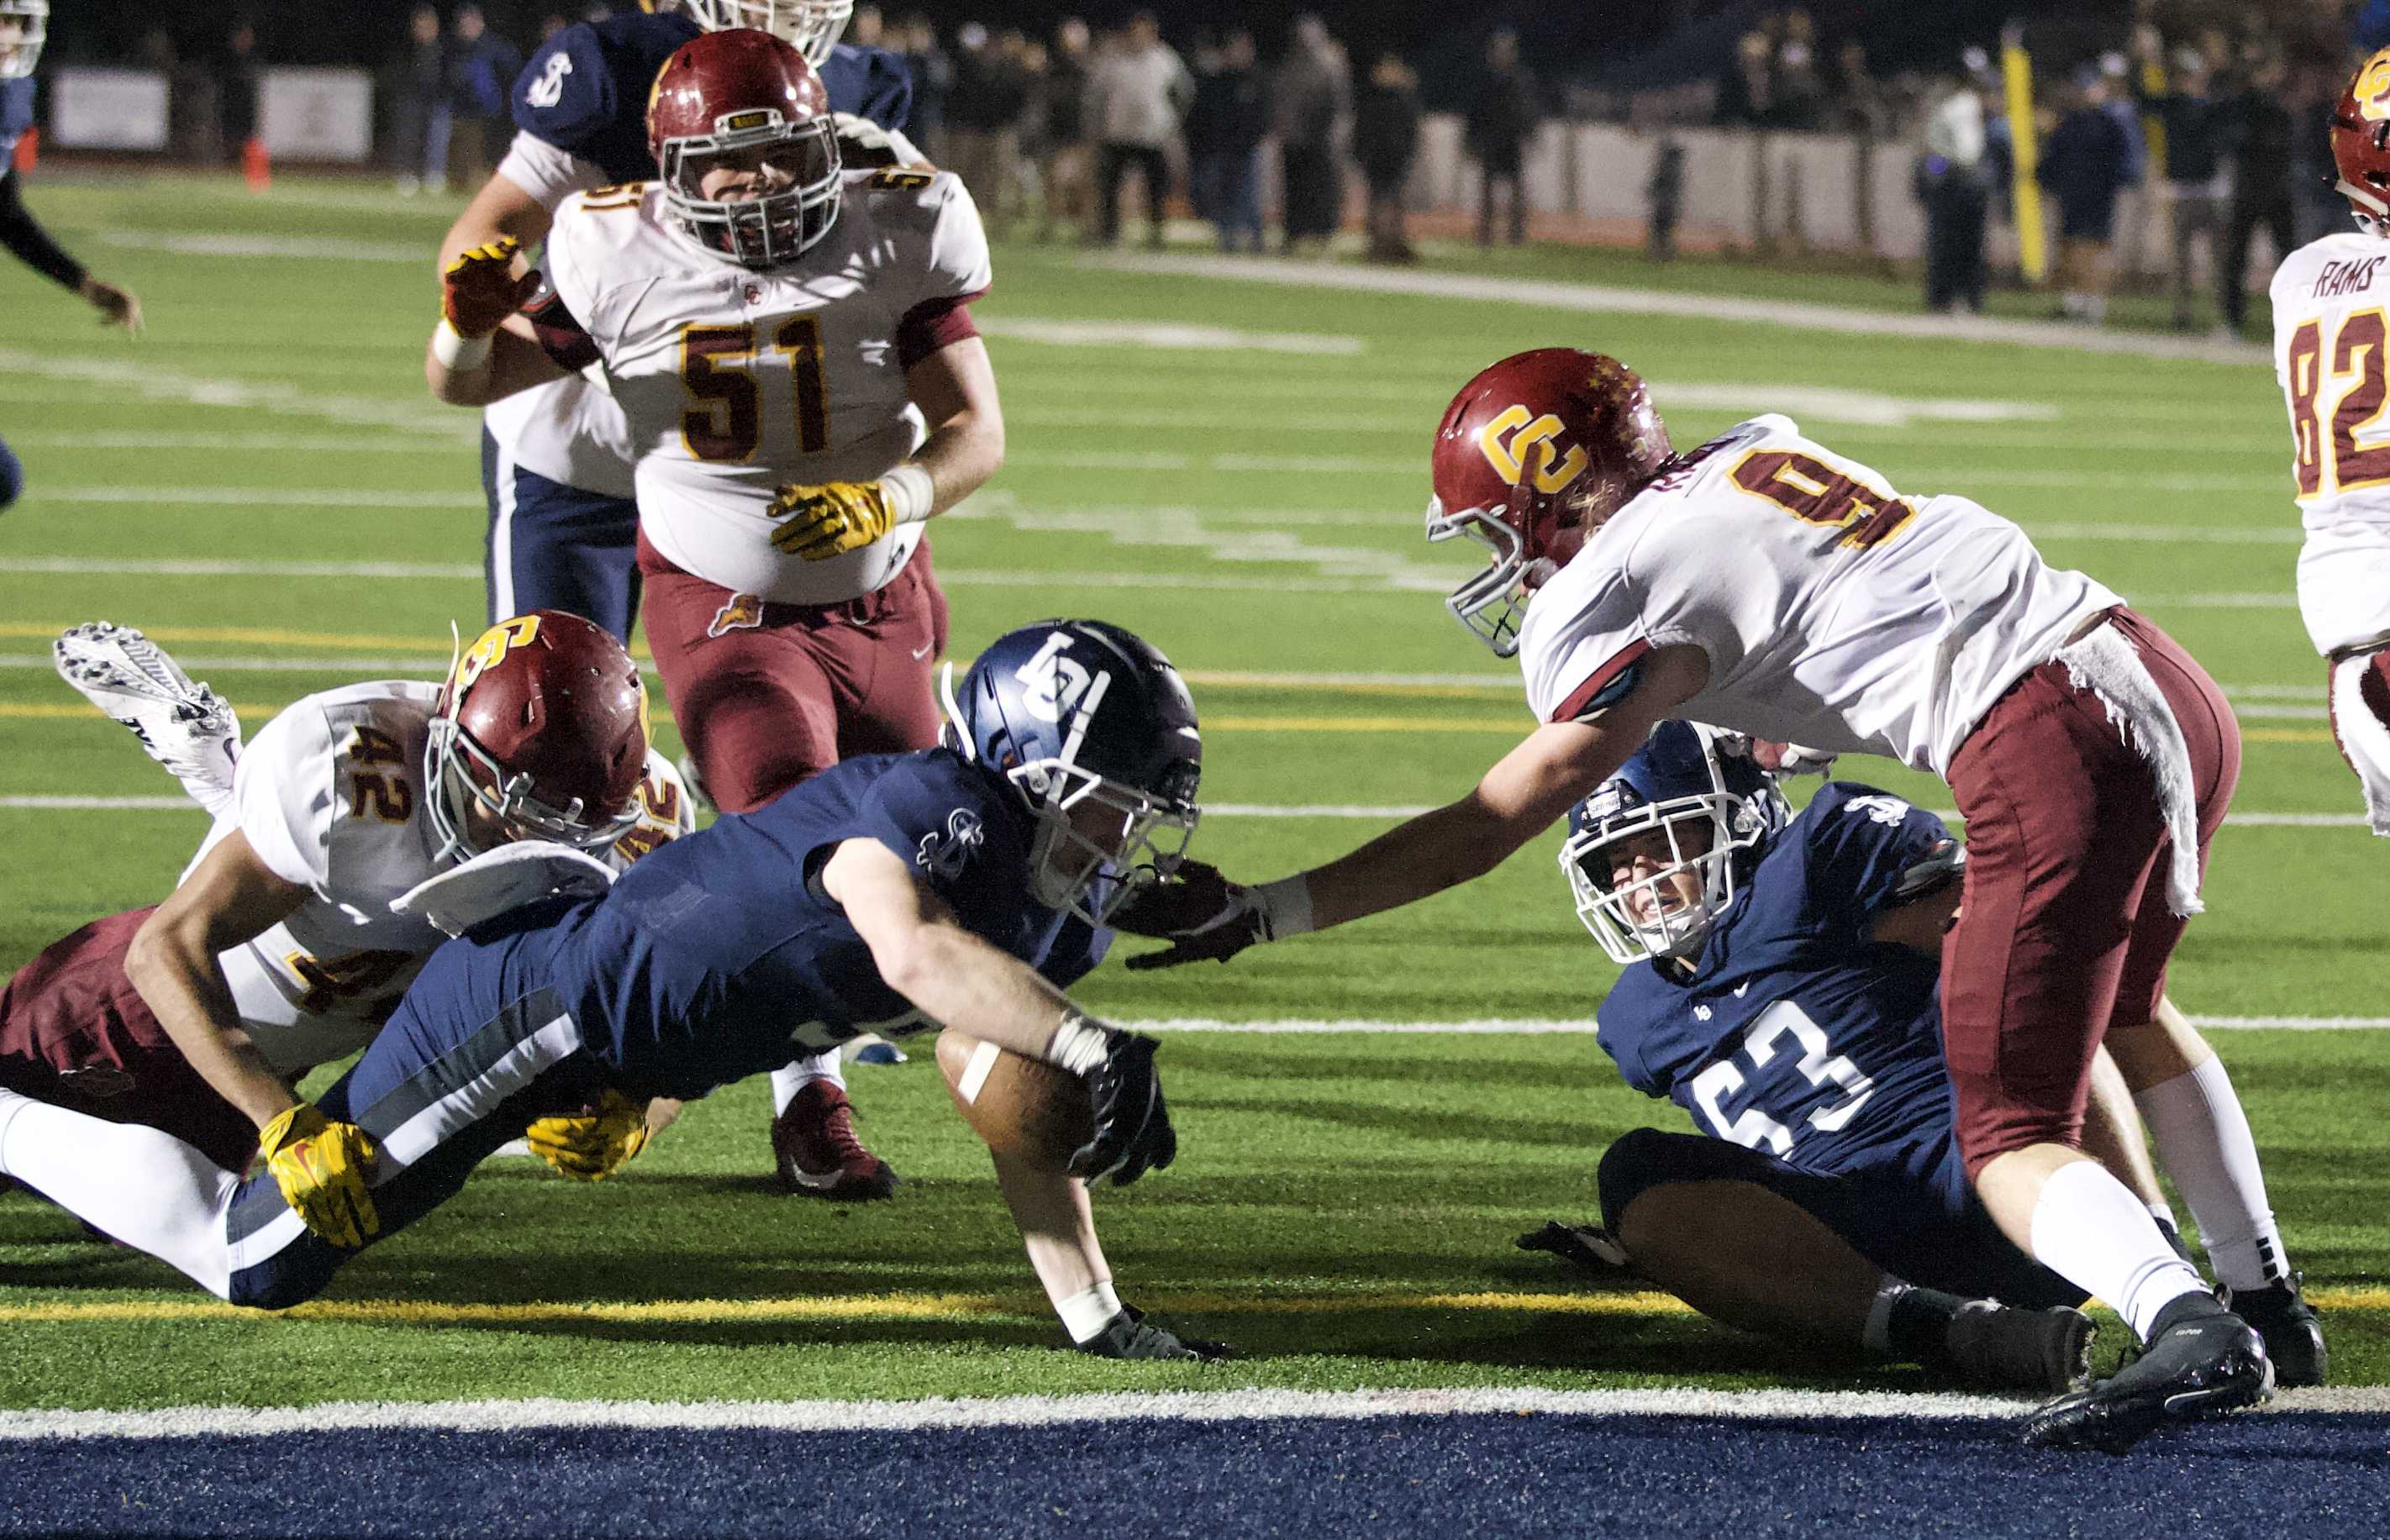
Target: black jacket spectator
<point>1230,114</point>
<point>1502,118</point>
<point>1386,130</point>
<point>2085,165</point>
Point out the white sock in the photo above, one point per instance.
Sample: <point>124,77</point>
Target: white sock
<point>2204,1144</point>
<point>789,1079</point>
<point>1877,1337</point>
<point>142,1187</point>
<point>2089,1229</point>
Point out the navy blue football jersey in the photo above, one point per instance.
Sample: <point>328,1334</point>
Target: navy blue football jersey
<point>1796,1034</point>
<point>709,963</point>
<point>586,90</point>
<point>17,116</point>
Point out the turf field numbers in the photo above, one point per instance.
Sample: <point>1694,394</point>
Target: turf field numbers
<point>1820,1065</point>
<point>726,423</point>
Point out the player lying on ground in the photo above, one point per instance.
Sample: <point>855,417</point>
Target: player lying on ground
<point>2329,342</point>
<point>1780,987</point>
<point>790,348</point>
<point>1767,586</point>
<point>962,885</point>
<point>24,26</point>
<point>280,949</point>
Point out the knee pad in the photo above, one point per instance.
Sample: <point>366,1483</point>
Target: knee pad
<point>2360,726</point>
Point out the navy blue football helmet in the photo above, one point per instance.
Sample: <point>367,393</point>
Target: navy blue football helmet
<point>1097,732</point>
<point>1687,781</point>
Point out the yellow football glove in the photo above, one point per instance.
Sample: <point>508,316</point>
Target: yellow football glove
<point>478,290</point>
<point>593,1146</point>
<point>320,1166</point>
<point>831,520</point>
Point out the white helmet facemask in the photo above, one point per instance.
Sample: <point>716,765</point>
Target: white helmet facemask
<point>24,27</point>
<point>811,27</point>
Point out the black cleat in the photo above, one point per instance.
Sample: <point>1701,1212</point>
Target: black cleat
<point>2293,1335</point>
<point>2201,1361</point>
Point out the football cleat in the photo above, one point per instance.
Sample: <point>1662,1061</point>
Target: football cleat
<point>2293,1335</point>
<point>188,728</point>
<point>818,1153</point>
<point>1586,1246</point>
<point>2201,1361</point>
<point>1996,1347</point>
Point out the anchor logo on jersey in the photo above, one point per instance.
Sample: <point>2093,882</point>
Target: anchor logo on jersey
<point>944,854</point>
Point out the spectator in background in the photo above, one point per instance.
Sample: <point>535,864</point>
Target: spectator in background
<point>2315,96</point>
<point>1954,182</point>
<point>933,75</point>
<point>423,112</point>
<point>1137,94</point>
<point>2194,173</point>
<point>1225,129</point>
<point>237,83</point>
<point>1663,199</point>
<point>1503,115</point>
<point>1385,142</point>
<point>865,27</point>
<point>2132,198</point>
<point>1861,110</point>
<point>551,24</point>
<point>1314,107</point>
<point>2257,135</point>
<point>1796,91</point>
<point>1067,169</point>
<point>983,117</point>
<point>2083,167</point>
<point>1746,96</point>
<point>482,69</point>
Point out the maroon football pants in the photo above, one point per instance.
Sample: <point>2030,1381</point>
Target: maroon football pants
<point>767,693</point>
<point>2063,928</point>
<point>75,1032</point>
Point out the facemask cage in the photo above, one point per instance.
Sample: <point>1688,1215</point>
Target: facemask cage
<point>813,27</point>
<point>777,228</point>
<point>19,53</point>
<point>1491,605</point>
<point>1676,927</point>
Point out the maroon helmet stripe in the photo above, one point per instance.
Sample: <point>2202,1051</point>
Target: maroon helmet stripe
<point>1581,699</point>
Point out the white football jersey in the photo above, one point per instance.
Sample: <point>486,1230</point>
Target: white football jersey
<point>736,382</point>
<point>331,795</point>
<point>1836,613</point>
<point>2329,344</point>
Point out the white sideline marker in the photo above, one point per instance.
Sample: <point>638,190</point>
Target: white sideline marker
<point>1054,1411</point>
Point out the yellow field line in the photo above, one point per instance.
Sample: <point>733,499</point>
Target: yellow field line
<point>880,1307</point>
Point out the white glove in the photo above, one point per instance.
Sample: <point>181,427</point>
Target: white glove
<point>503,879</point>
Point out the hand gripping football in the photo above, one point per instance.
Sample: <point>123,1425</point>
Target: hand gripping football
<point>1022,1107</point>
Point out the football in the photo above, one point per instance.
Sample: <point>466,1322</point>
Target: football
<point>1021,1106</point>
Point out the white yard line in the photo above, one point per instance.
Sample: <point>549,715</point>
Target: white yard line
<point>126,379</point>
<point>247,443</point>
<point>1166,336</point>
<point>1049,1411</point>
<point>228,243</point>
<point>1598,298</point>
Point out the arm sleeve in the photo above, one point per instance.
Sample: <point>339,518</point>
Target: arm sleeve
<point>546,172</point>
<point>1869,851</point>
<point>24,235</point>
<point>284,790</point>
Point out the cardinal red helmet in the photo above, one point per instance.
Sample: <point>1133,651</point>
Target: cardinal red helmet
<point>746,102</point>
<point>2360,143</point>
<point>1531,454</point>
<point>542,727</point>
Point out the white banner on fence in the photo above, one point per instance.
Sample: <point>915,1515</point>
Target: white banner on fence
<point>107,109</point>
<point>316,114</point>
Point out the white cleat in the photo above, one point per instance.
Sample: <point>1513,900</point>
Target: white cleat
<point>187,727</point>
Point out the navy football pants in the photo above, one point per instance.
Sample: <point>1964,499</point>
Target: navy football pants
<point>475,1052</point>
<point>553,547</point>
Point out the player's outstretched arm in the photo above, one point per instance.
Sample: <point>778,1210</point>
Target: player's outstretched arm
<point>924,952</point>
<point>1522,796</point>
<point>23,236</point>
<point>229,899</point>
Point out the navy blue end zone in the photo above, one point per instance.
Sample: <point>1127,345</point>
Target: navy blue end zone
<point>2305,1474</point>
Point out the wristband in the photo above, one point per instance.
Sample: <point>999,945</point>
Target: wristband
<point>1286,907</point>
<point>1085,1315</point>
<point>1078,1045</point>
<point>910,492</point>
<point>460,353</point>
